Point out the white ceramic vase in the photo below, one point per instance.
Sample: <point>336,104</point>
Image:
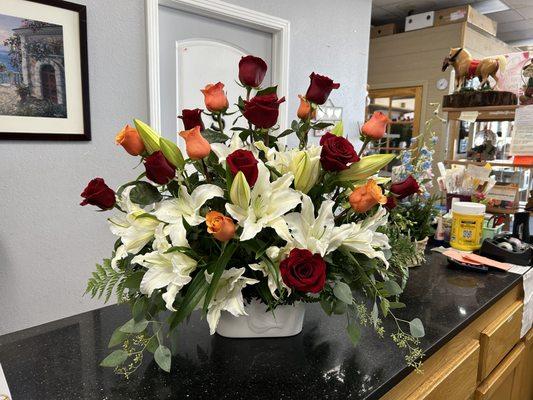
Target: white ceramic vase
<point>284,321</point>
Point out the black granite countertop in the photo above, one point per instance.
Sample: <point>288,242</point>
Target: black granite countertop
<point>60,360</point>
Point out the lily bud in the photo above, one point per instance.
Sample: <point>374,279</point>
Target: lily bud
<point>305,166</point>
<point>240,191</point>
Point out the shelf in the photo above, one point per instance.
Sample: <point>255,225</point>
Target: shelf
<point>494,163</point>
<point>487,113</point>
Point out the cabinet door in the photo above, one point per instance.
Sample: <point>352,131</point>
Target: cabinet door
<point>527,374</point>
<point>505,382</point>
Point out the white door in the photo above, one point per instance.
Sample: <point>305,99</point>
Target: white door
<point>196,50</point>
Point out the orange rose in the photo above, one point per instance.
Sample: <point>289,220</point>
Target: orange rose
<point>215,98</point>
<point>129,138</point>
<point>196,145</point>
<point>222,227</point>
<point>365,197</point>
<point>304,109</point>
<point>376,126</point>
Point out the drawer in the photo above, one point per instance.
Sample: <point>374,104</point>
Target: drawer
<point>458,380</point>
<point>499,338</point>
<point>504,383</point>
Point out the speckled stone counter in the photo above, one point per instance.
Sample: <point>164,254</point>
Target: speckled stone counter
<point>60,360</point>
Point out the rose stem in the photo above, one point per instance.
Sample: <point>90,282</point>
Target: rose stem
<point>206,171</point>
<point>365,143</point>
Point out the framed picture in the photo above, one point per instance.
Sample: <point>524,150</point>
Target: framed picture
<point>44,85</point>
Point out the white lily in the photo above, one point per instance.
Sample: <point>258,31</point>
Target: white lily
<point>362,237</point>
<point>272,274</point>
<point>165,270</point>
<point>264,205</point>
<point>303,164</point>
<point>318,235</point>
<point>135,229</point>
<point>228,295</point>
<point>187,206</point>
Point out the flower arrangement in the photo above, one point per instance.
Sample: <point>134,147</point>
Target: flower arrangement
<point>243,218</point>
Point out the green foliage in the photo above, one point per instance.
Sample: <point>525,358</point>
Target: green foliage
<point>104,280</point>
<point>213,136</point>
<point>163,357</point>
<point>144,193</point>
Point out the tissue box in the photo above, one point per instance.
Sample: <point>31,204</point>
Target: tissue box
<point>419,21</point>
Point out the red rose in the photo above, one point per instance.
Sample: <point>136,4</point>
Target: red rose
<point>304,271</point>
<point>244,161</point>
<point>192,118</point>
<point>336,153</point>
<point>98,194</point>
<point>158,169</point>
<point>262,111</point>
<point>405,188</point>
<point>320,88</point>
<point>252,71</point>
<point>391,203</point>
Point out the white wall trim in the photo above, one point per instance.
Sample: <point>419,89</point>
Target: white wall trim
<point>220,10</point>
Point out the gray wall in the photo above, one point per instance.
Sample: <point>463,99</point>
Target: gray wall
<point>329,38</point>
<point>48,244</point>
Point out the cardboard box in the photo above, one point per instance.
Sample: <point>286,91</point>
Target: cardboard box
<point>419,21</point>
<point>468,14</point>
<point>383,30</point>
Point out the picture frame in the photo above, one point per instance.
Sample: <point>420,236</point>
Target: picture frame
<point>44,76</point>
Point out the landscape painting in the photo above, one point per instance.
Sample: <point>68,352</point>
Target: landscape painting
<point>32,68</point>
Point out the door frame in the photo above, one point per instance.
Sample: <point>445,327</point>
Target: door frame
<point>221,10</point>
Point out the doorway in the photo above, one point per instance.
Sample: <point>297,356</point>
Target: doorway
<point>48,83</point>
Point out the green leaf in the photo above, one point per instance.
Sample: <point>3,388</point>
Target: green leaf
<point>384,304</point>
<point>172,152</point>
<point>134,280</point>
<point>133,326</point>
<point>374,314</point>
<point>417,328</point>
<point>163,358</point>
<point>149,137</point>
<point>321,125</point>
<point>213,136</point>
<point>366,167</point>
<point>286,132</point>
<point>195,292</point>
<point>354,333</point>
<point>144,193</point>
<point>218,269</point>
<point>116,358</point>
<point>338,129</point>
<point>139,308</point>
<point>152,344</point>
<point>396,304</point>
<point>339,307</point>
<point>327,306</point>
<point>392,288</point>
<point>343,292</point>
<point>268,90</point>
<point>117,337</point>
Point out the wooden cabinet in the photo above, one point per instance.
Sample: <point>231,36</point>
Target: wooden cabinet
<point>527,371</point>
<point>499,338</point>
<point>458,377</point>
<point>485,361</point>
<point>505,382</point>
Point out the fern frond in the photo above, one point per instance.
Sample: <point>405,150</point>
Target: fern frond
<point>104,280</point>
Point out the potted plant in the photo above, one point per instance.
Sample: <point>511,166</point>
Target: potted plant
<point>245,229</point>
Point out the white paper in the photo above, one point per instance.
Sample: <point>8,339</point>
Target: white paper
<point>478,172</point>
<point>4,389</point>
<point>468,116</point>
<point>527,317</point>
<point>522,138</point>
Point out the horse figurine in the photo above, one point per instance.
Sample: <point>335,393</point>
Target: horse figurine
<point>467,68</point>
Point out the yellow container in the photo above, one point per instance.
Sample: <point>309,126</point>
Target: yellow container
<point>467,225</point>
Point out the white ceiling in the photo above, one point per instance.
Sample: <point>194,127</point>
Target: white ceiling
<point>515,26</point>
